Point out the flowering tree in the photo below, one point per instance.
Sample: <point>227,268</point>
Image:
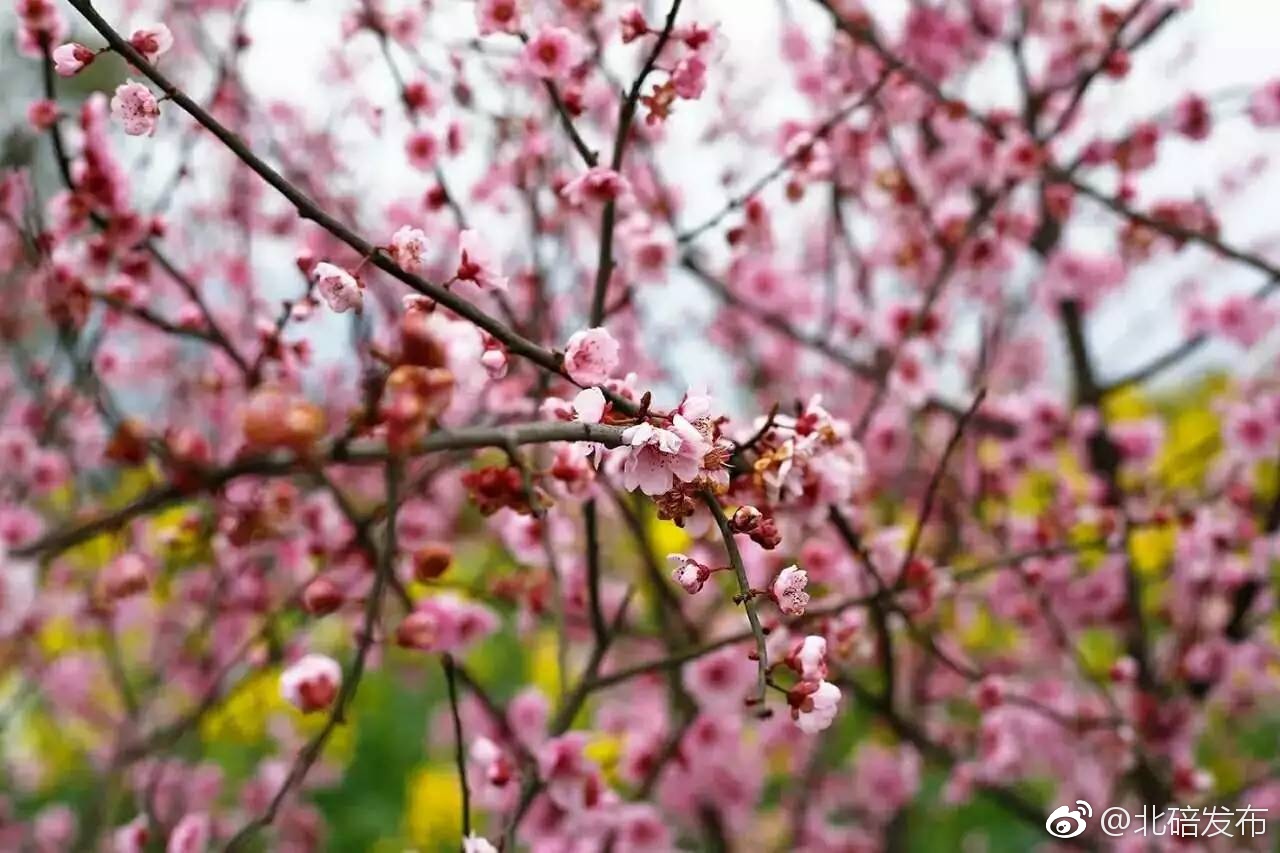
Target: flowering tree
<point>894,560</point>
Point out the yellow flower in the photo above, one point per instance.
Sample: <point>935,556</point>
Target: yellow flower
<point>433,814</point>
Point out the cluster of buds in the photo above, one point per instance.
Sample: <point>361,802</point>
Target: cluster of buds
<point>762,529</point>
<point>495,487</point>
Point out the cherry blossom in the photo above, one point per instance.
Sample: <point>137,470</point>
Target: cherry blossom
<point>789,590</point>
<point>498,16</point>
<point>135,108</point>
<point>552,53</point>
<point>311,683</point>
<point>69,59</point>
<point>817,708</point>
<point>893,292</point>
<point>658,457</point>
<point>591,355</point>
<point>475,264</point>
<point>409,248</point>
<point>152,42</point>
<point>688,573</point>
<point>338,288</point>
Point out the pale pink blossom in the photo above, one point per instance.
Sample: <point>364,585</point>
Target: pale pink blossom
<point>818,711</point>
<point>552,53</point>
<point>135,108</point>
<point>476,264</point>
<point>190,835</point>
<point>688,572</point>
<point>409,248</point>
<point>590,356</point>
<point>596,187</point>
<point>70,58</point>
<point>589,405</point>
<point>658,457</point>
<point>311,683</point>
<point>789,590</point>
<point>133,837</point>
<point>632,24</point>
<point>498,16</point>
<point>152,41</point>
<point>811,658</point>
<point>338,288</point>
<point>1264,105</point>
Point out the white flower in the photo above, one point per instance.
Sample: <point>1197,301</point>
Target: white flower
<point>812,658</point>
<point>819,709</point>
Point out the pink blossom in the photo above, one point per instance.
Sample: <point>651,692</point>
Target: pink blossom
<point>445,623</point>
<point>311,683</point>
<point>1251,431</point>
<point>132,837</point>
<point>659,457</point>
<point>152,41</point>
<point>409,248</point>
<point>1192,118</point>
<point>498,16</point>
<point>475,263</point>
<point>788,590</point>
<point>42,114</point>
<point>688,573</point>
<point>1264,105</point>
<point>552,53</point>
<point>135,108</point>
<point>338,288</point>
<point>818,711</point>
<point>423,150</point>
<point>596,187</point>
<point>591,356</point>
<point>190,835</point>
<point>632,24</point>
<point>70,58</point>
<point>721,680</point>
